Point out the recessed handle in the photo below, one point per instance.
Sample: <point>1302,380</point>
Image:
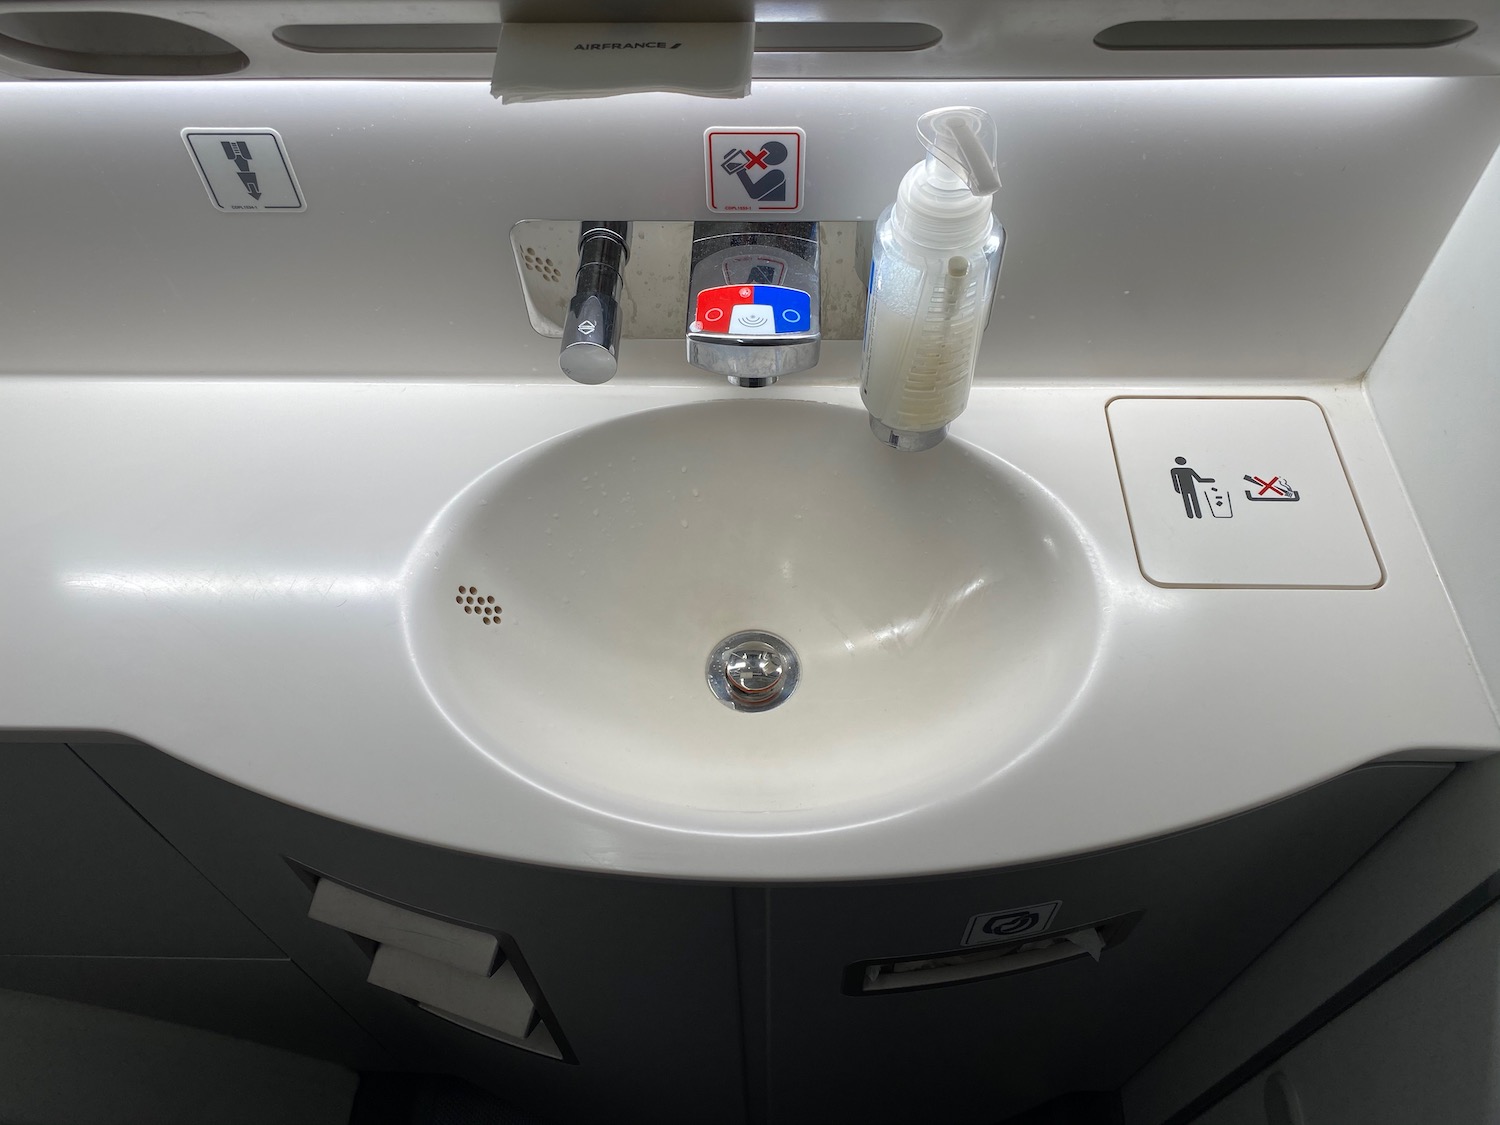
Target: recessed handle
<point>934,970</point>
<point>1283,35</point>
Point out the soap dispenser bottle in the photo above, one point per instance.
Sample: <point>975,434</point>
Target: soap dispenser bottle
<point>932,280</point>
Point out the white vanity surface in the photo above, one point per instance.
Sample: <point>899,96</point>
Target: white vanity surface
<point>216,568</point>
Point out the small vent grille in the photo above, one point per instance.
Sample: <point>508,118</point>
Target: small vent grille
<point>544,266</point>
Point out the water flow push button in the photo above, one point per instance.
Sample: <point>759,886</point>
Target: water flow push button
<point>742,321</point>
<point>753,310</point>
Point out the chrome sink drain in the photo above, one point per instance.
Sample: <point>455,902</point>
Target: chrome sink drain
<point>752,671</point>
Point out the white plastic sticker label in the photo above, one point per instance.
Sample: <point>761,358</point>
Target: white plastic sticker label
<point>754,169</point>
<point>1239,492</point>
<point>245,169</point>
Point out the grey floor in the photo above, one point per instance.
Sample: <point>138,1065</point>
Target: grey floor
<point>424,1099</point>
<point>429,1099</point>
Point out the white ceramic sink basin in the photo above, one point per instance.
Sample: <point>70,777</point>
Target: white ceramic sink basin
<point>942,604</point>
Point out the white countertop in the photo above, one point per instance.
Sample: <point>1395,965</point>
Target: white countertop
<point>213,567</point>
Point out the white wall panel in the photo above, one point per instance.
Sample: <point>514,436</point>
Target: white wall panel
<point>1436,393</point>
<point>1238,228</point>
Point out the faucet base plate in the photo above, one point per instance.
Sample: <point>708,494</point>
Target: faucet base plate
<point>907,441</point>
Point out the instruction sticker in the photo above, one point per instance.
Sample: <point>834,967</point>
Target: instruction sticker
<point>1239,492</point>
<point>245,169</point>
<point>754,169</point>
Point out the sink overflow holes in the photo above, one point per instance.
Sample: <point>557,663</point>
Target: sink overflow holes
<point>482,606</point>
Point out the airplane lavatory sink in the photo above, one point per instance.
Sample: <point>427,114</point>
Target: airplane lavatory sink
<point>568,609</point>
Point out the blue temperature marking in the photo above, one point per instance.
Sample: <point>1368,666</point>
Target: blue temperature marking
<point>792,307</point>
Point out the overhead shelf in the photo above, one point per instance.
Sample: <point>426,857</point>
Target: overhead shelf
<point>795,39</point>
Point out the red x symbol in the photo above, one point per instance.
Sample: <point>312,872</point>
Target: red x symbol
<point>1267,485</point>
<point>755,159</point>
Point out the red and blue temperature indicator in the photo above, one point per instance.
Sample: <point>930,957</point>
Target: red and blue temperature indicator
<point>753,310</point>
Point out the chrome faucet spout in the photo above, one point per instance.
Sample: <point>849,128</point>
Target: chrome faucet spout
<point>753,312</point>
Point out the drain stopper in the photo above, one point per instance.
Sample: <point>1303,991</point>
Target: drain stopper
<point>752,671</point>
<point>754,668</point>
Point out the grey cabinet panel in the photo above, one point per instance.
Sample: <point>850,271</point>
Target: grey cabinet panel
<point>65,1063</point>
<point>1419,1049</point>
<point>1210,900</point>
<point>259,999</point>
<point>702,1002</point>
<point>638,975</point>
<point>80,873</point>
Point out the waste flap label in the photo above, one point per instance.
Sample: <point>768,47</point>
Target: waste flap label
<point>1002,925</point>
<point>245,169</point>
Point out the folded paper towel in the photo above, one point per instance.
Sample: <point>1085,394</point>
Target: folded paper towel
<point>538,62</point>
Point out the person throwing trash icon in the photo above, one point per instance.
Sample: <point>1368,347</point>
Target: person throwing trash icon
<point>1185,483</point>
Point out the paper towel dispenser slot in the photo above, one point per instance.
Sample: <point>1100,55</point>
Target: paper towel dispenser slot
<point>935,970</point>
<point>497,1004</point>
<point>459,973</point>
<point>478,38</point>
<point>469,950</point>
<point>1282,35</point>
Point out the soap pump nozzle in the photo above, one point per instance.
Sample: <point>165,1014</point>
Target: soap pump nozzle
<point>960,142</point>
<point>944,202</point>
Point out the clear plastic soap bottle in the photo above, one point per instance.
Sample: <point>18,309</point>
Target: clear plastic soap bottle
<point>932,280</point>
